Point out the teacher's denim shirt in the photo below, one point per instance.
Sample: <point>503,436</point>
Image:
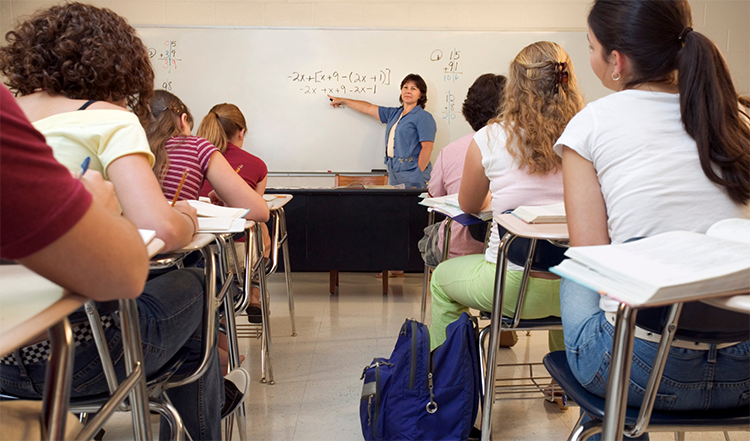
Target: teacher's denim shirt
<point>415,127</point>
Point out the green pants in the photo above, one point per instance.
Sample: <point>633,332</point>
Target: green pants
<point>468,281</point>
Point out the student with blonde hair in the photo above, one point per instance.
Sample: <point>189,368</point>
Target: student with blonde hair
<point>176,150</point>
<point>512,157</point>
<point>224,126</point>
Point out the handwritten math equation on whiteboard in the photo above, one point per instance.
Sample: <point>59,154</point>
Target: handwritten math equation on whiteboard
<point>449,110</point>
<point>168,60</point>
<point>450,69</point>
<point>323,82</point>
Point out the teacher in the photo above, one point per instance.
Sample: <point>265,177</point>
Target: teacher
<point>410,132</point>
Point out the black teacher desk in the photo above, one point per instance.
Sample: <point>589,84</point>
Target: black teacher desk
<point>356,230</point>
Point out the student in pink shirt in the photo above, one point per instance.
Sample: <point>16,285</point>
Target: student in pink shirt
<point>483,102</point>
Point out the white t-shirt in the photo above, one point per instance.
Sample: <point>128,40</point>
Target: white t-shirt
<point>509,185</point>
<point>647,165</point>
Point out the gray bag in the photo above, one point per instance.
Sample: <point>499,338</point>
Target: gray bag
<point>428,245</point>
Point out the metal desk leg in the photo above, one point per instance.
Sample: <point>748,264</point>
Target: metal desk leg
<point>287,268</point>
<point>497,319</point>
<point>616,401</point>
<point>131,344</point>
<point>58,381</point>
<point>266,338</point>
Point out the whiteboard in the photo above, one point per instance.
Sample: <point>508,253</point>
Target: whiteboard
<point>279,78</point>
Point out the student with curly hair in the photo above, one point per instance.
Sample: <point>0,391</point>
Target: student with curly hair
<point>512,157</point>
<point>483,102</point>
<point>77,69</point>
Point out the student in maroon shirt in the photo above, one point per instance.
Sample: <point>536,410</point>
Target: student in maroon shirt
<point>225,127</point>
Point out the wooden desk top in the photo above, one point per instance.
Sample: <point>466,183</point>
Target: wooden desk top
<point>29,304</point>
<point>533,231</point>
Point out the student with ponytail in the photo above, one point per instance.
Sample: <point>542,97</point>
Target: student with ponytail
<point>176,150</point>
<point>224,126</point>
<point>670,150</point>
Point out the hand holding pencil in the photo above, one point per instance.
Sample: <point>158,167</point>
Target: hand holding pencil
<point>179,188</point>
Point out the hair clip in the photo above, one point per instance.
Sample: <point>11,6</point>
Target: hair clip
<point>561,76</point>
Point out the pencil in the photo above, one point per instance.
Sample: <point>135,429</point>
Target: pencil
<point>179,188</point>
<point>239,168</point>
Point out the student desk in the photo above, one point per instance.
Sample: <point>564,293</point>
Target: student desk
<point>365,230</point>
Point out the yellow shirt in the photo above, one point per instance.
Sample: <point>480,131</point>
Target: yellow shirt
<point>103,135</point>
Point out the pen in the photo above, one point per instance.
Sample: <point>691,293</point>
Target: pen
<point>84,166</point>
<point>179,188</point>
<point>239,168</point>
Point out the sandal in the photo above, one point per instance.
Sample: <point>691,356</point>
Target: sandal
<point>254,313</point>
<point>554,394</point>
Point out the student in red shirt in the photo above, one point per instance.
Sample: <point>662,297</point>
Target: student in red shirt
<point>225,127</point>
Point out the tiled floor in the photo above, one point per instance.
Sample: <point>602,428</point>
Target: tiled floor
<point>316,395</point>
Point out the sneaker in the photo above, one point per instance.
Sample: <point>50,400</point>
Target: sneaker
<point>235,388</point>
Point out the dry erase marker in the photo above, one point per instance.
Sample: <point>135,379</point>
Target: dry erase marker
<point>179,188</point>
<point>84,166</point>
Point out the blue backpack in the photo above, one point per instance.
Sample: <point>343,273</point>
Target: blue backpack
<point>418,395</point>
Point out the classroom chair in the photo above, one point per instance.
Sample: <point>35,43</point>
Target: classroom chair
<point>694,322</point>
<point>533,247</point>
<point>463,220</point>
<point>255,269</point>
<point>154,389</point>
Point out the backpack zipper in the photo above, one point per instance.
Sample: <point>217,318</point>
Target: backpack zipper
<point>432,405</point>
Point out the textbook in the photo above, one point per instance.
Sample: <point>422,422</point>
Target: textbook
<point>220,225</point>
<point>448,205</point>
<point>210,210</point>
<point>666,268</point>
<point>543,214</point>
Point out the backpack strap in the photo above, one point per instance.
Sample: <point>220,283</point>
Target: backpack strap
<point>86,104</point>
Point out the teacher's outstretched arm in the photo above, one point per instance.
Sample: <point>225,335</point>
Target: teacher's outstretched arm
<point>359,106</point>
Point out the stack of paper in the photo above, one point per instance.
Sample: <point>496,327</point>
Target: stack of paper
<point>220,225</point>
<point>210,210</point>
<point>544,214</point>
<point>449,205</point>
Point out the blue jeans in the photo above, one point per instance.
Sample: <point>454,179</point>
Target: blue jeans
<point>411,178</point>
<point>692,380</point>
<point>170,315</point>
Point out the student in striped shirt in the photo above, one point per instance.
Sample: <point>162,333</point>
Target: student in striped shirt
<point>176,150</point>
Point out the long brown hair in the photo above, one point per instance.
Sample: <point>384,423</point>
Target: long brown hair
<point>167,111</point>
<point>658,39</point>
<point>222,122</point>
<point>541,96</point>
<point>81,52</point>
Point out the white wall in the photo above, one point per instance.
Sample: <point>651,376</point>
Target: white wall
<point>726,22</point>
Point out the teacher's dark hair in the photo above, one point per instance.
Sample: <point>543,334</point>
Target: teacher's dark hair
<point>658,39</point>
<point>484,100</point>
<point>81,52</point>
<point>421,85</point>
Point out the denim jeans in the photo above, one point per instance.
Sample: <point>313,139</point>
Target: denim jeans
<point>170,315</point>
<point>692,380</point>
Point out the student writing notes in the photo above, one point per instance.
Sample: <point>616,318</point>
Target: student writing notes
<point>51,224</point>
<point>89,65</point>
<point>176,150</point>
<point>670,150</point>
<point>410,132</point>
<point>512,157</point>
